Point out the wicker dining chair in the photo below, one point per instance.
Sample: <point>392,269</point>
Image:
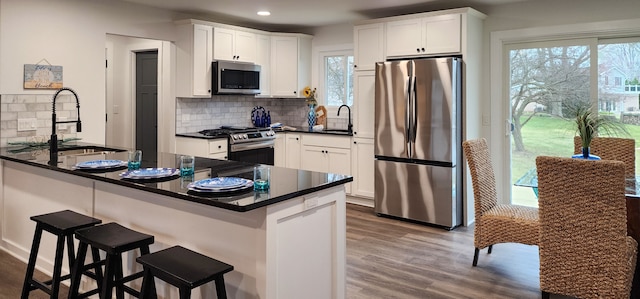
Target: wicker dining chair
<point>612,148</point>
<point>495,223</point>
<point>584,248</point>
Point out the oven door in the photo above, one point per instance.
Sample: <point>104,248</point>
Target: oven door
<point>260,152</point>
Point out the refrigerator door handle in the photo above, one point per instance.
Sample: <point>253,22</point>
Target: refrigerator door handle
<point>414,106</point>
<point>407,118</point>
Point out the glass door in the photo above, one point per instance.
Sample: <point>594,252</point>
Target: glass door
<point>544,80</point>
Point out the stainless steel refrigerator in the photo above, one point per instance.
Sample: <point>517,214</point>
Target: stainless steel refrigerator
<point>418,140</point>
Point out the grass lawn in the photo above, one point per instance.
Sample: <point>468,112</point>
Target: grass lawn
<point>549,136</point>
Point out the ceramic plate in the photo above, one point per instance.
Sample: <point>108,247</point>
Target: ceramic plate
<point>233,189</point>
<point>101,164</point>
<point>150,173</point>
<point>221,183</point>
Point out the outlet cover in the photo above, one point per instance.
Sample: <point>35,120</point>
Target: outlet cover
<point>27,124</point>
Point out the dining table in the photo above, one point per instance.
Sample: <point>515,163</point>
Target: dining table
<point>632,196</point>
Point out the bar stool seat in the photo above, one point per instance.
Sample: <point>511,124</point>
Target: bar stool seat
<point>184,269</point>
<point>62,224</point>
<point>114,239</point>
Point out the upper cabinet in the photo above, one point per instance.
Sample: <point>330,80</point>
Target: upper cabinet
<point>194,60</point>
<point>424,36</point>
<point>263,59</point>
<point>284,58</point>
<point>236,45</point>
<point>368,46</point>
<point>290,64</point>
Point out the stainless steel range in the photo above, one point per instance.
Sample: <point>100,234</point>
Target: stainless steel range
<point>247,144</point>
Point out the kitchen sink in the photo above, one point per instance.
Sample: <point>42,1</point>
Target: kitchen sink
<point>86,150</point>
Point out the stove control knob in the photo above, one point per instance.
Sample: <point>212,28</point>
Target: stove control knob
<point>244,136</point>
<point>235,137</point>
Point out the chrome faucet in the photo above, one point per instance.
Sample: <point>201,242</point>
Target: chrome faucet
<point>53,142</point>
<point>350,126</point>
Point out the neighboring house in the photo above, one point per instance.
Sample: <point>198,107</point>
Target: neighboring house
<point>619,92</point>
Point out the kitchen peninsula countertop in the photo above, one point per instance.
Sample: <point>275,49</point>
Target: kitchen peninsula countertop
<point>285,183</point>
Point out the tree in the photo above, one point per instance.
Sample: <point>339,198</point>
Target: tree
<point>551,77</point>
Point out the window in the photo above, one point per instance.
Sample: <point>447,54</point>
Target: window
<point>556,74</point>
<point>338,79</point>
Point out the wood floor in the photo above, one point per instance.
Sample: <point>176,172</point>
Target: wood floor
<point>388,258</point>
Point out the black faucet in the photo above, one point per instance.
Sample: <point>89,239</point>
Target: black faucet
<point>53,142</point>
<point>350,126</point>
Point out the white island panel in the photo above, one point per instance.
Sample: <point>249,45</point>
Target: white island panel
<point>29,191</point>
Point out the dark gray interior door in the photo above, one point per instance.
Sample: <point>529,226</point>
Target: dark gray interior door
<point>147,104</point>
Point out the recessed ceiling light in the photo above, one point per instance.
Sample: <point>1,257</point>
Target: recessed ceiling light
<point>264,13</point>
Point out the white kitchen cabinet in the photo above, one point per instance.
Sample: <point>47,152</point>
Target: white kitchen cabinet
<point>325,153</point>
<point>290,64</point>
<point>368,46</point>
<point>194,56</point>
<point>236,45</point>
<point>280,150</point>
<point>293,141</point>
<point>363,103</point>
<point>263,59</point>
<point>424,36</point>
<point>207,148</point>
<point>362,167</point>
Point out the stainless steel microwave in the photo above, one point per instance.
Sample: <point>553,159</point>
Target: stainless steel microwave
<point>232,77</point>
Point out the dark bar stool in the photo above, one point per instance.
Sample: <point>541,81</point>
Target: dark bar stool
<point>184,269</point>
<point>114,240</point>
<point>62,224</point>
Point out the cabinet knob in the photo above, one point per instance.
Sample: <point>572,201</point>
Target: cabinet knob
<point>297,138</point>
<point>418,50</point>
<point>209,91</point>
<point>295,92</point>
<point>219,146</point>
<point>422,49</point>
<point>355,142</point>
<point>355,66</point>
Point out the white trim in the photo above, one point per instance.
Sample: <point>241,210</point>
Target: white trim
<point>321,53</point>
<point>499,137</point>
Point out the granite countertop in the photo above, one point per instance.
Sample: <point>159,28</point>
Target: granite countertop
<point>286,183</point>
<point>339,132</point>
<point>200,136</point>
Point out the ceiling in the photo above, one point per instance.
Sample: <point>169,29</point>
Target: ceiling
<point>300,14</point>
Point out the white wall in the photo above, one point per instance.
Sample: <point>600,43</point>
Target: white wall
<point>72,33</point>
<point>120,102</point>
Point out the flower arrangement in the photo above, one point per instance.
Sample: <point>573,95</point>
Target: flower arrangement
<point>310,94</point>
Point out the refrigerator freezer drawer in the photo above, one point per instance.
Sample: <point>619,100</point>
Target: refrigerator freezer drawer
<point>418,192</point>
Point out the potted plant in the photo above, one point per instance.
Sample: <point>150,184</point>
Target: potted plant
<point>589,125</point>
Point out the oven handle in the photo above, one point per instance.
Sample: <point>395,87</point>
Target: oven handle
<point>252,145</point>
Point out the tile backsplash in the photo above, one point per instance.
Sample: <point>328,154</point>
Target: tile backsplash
<point>38,108</point>
<point>193,115</point>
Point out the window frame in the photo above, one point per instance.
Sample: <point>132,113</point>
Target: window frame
<point>322,100</point>
<point>496,103</point>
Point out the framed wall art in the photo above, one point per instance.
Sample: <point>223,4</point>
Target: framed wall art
<point>42,76</point>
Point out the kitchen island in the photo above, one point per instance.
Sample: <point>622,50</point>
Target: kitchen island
<point>288,242</point>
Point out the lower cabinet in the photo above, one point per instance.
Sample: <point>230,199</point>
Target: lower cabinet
<point>207,148</point>
<point>280,151</point>
<point>330,154</point>
<point>293,143</point>
<point>362,167</point>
